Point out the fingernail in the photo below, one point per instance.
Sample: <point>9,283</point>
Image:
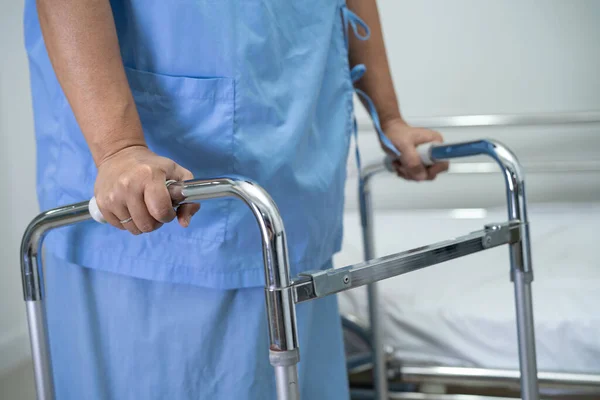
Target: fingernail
<point>422,176</point>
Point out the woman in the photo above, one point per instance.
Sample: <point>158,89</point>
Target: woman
<point>128,94</point>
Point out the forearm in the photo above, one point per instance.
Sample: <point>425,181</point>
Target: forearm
<point>83,47</point>
<point>377,82</point>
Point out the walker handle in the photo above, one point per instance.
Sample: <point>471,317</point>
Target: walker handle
<point>424,151</point>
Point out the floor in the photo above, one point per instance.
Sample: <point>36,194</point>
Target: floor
<point>18,384</point>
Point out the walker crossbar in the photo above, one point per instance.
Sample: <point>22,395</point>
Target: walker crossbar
<point>334,280</point>
<point>282,292</point>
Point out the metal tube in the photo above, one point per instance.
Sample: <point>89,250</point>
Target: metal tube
<point>33,289</point>
<point>279,300</point>
<point>366,394</point>
<point>323,283</point>
<point>40,350</point>
<point>280,304</point>
<point>286,381</point>
<point>520,253</point>
<point>379,362</point>
<point>526,336</point>
<point>485,377</point>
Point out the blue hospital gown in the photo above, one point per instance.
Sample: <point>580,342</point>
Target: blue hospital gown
<point>257,88</point>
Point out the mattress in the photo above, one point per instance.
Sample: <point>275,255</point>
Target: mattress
<point>461,313</point>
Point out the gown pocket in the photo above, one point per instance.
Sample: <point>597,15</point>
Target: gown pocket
<point>189,120</point>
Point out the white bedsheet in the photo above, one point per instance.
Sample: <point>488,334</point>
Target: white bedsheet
<point>461,312</point>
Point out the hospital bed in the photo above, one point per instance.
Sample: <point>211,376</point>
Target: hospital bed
<point>452,325</point>
<point>460,314</point>
<point>283,292</point>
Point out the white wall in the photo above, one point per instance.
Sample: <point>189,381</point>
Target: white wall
<point>491,57</point>
<point>18,203</point>
<point>448,58</point>
<point>465,57</point>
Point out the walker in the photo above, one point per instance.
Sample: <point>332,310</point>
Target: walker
<point>283,292</point>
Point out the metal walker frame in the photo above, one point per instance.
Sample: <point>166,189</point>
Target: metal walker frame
<point>282,292</point>
<point>521,273</point>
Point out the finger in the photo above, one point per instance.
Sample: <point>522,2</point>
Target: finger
<point>142,219</point>
<point>117,212</point>
<point>411,161</point>
<point>436,169</point>
<point>176,172</point>
<point>185,212</point>
<point>105,204</point>
<point>401,172</point>
<point>428,136</point>
<point>122,214</point>
<point>399,169</point>
<point>112,219</point>
<point>158,200</point>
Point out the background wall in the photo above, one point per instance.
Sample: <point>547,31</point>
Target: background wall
<point>466,57</point>
<point>448,58</point>
<point>18,203</point>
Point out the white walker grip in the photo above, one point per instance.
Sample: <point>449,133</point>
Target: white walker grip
<point>95,211</point>
<point>424,151</point>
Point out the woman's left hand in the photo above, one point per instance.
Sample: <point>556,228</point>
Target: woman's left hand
<point>406,139</point>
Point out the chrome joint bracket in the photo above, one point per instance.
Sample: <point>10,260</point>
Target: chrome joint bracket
<point>527,275</point>
<point>499,234</point>
<point>284,358</point>
<point>328,281</point>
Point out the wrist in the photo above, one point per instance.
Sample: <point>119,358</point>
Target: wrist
<point>123,131</point>
<point>390,122</point>
<point>109,150</point>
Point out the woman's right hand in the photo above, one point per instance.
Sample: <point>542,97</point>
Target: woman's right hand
<point>131,184</point>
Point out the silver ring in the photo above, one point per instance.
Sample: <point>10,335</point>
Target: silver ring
<point>126,220</point>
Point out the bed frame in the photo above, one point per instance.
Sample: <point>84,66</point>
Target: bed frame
<point>383,364</point>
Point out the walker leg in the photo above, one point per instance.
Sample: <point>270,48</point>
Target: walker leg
<point>286,380</point>
<point>526,337</point>
<point>33,289</point>
<point>522,276</point>
<point>520,253</point>
<point>40,349</point>
<point>379,361</point>
<point>283,353</point>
